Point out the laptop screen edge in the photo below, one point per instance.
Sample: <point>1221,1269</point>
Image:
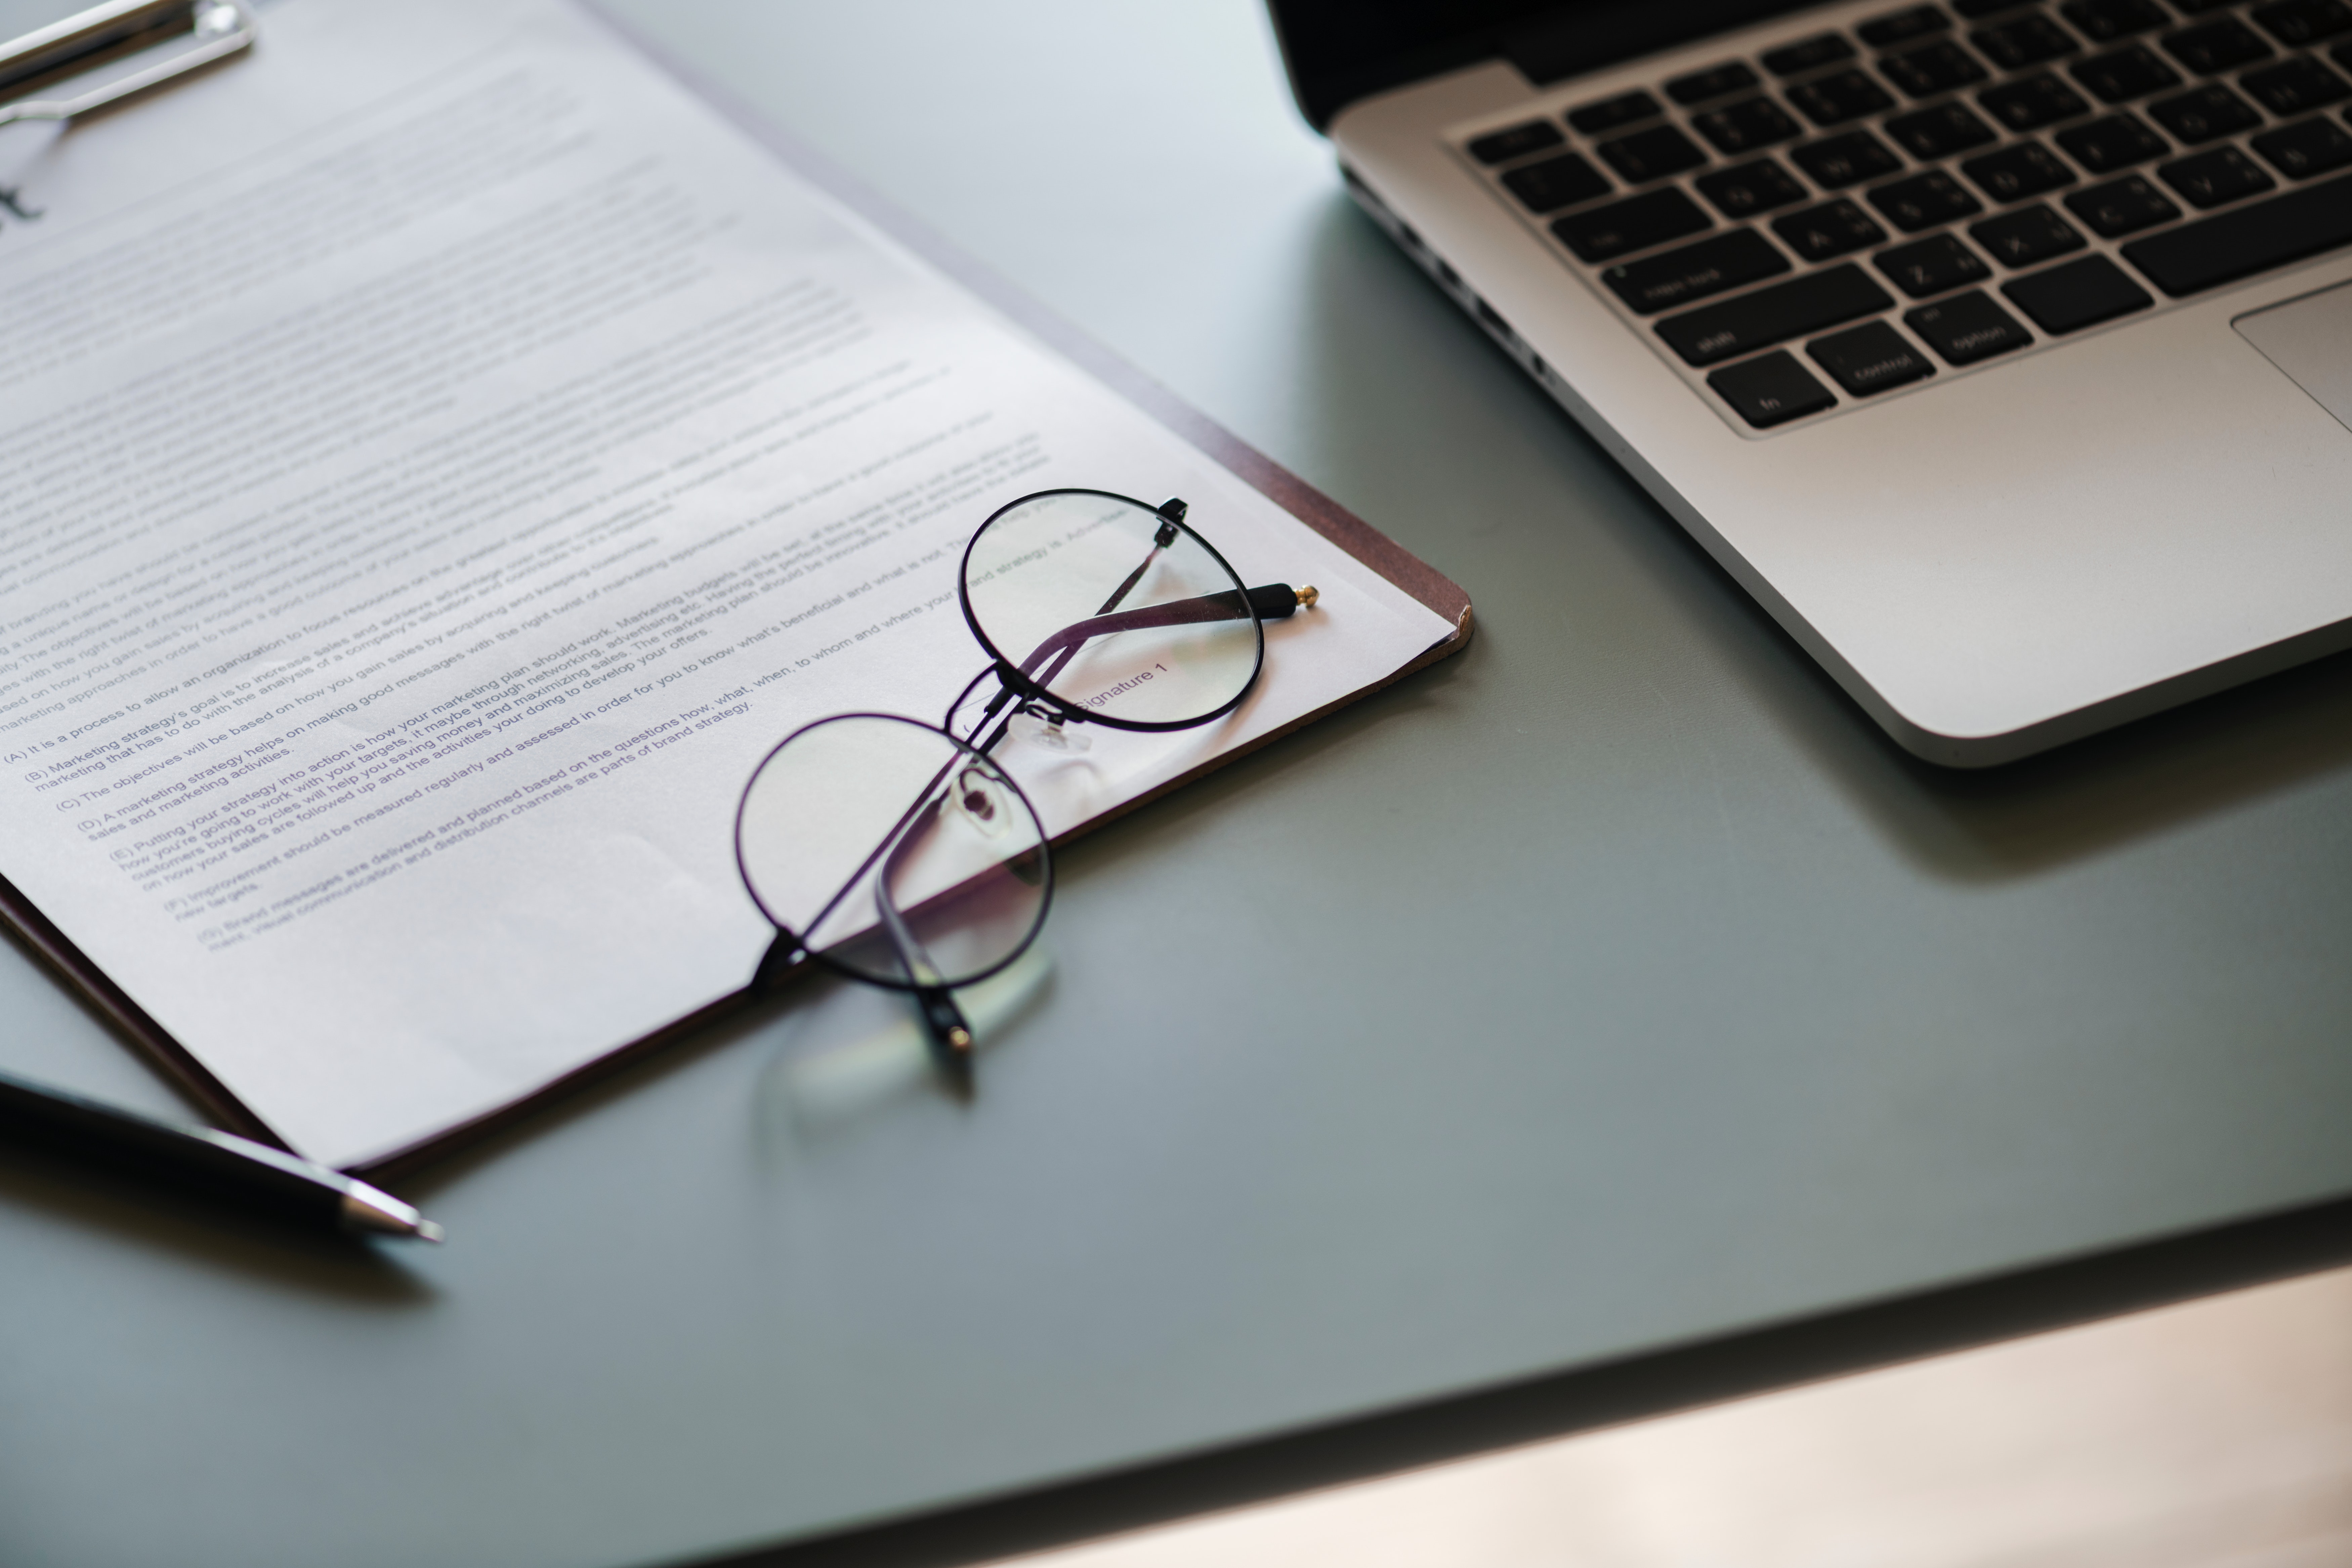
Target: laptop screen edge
<point>1337,51</point>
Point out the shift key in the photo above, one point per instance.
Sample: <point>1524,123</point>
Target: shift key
<point>1713,333</point>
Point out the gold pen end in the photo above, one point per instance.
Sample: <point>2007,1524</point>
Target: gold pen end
<point>1308,596</point>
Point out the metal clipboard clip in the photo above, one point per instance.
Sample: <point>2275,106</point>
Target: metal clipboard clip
<point>128,31</point>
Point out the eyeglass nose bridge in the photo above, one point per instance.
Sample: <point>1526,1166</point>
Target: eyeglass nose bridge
<point>1037,724</point>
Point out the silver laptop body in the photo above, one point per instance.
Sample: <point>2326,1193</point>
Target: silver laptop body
<point>2020,422</point>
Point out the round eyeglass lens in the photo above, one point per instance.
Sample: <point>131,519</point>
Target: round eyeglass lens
<point>1105,605</point>
<point>893,851</point>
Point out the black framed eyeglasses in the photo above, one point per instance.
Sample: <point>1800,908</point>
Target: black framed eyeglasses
<point>900,853</point>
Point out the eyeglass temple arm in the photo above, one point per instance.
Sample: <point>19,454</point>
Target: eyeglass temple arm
<point>945,1029</point>
<point>1172,512</point>
<point>784,952</point>
<point>1272,601</point>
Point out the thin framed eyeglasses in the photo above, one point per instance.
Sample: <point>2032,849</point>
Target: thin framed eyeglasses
<point>901,853</point>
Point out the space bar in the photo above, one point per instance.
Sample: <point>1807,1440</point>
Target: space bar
<point>2268,234</point>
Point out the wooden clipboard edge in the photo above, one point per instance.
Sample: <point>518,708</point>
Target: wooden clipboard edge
<point>1450,646</point>
<point>406,1161</point>
<point>1350,533</point>
<point>125,1017</point>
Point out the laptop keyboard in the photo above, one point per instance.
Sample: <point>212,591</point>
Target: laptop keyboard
<point>1935,188</point>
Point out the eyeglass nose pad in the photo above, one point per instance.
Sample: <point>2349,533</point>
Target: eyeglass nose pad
<point>979,801</point>
<point>1048,731</point>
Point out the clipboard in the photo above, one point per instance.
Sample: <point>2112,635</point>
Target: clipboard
<point>130,1021</point>
<point>58,56</point>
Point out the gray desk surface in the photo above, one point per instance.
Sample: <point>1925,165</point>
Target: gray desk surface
<point>1611,985</point>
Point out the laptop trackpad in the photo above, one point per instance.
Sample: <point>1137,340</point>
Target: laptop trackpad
<point>2311,340</point>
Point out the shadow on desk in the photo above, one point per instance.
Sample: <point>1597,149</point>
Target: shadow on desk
<point>2224,750</point>
<point>133,1214</point>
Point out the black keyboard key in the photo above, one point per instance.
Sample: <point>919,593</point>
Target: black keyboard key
<point>1651,154</point>
<point>1502,146</point>
<point>2026,237</point>
<point>1939,68</point>
<point>2018,171</point>
<point>2342,55</point>
<point>1837,161</point>
<point>1771,390</point>
<point>1744,127</point>
<point>1923,201</point>
<point>2299,152</point>
<point>1916,23</point>
<point>2117,142</point>
<point>1695,271</point>
<point>1807,303</point>
<point>2122,206</point>
<point>1713,82</point>
<point>2213,47</point>
<point>1808,54</point>
<point>1834,228</point>
<point>1929,134</point>
<point>1611,112</point>
<point>2028,41</point>
<point>2210,179</point>
<point>1968,328</point>
<point>1839,97</point>
<point>2032,103</point>
<point>1552,183</point>
<point>2105,21</point>
<point>2079,294</point>
<point>1978,10</point>
<point>1637,222</point>
<point>2203,113</point>
<point>2216,250</point>
<point>1931,266</point>
<point>1867,359</point>
<point>2198,7</point>
<point>2121,75</point>
<point>2293,86</point>
<point>1757,187</point>
<point>2296,23</point>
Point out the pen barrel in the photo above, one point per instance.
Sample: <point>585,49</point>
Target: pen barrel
<point>202,1164</point>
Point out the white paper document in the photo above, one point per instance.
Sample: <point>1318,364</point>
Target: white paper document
<point>438,457</point>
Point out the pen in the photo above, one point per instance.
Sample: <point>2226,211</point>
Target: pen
<point>198,1159</point>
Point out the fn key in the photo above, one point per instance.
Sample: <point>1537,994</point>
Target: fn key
<point>1771,390</point>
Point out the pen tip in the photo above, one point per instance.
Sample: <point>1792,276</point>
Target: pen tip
<point>371,1212</point>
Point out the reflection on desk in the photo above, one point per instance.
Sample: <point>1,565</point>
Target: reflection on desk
<point>2217,1432</point>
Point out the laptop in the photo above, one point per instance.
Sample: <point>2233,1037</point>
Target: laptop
<point>2001,350</point>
